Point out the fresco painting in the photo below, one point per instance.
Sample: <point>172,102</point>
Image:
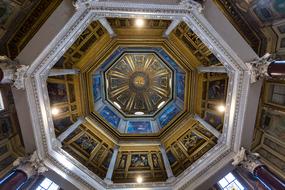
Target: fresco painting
<point>139,160</point>
<point>96,87</point>
<point>86,142</point>
<point>216,89</point>
<point>57,93</point>
<point>213,119</point>
<point>110,116</point>
<point>180,86</point>
<point>155,161</point>
<point>107,160</point>
<point>62,124</point>
<point>71,93</point>
<point>269,11</point>
<point>168,115</point>
<point>171,157</point>
<point>191,141</point>
<point>6,127</point>
<point>139,127</point>
<point>123,161</point>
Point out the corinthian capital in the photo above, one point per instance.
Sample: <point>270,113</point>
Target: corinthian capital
<point>12,72</point>
<point>78,3</point>
<point>258,68</point>
<point>31,165</point>
<point>247,160</point>
<point>192,4</point>
<point>20,74</point>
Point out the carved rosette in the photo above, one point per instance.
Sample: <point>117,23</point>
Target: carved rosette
<point>31,165</point>
<point>248,160</point>
<point>258,68</point>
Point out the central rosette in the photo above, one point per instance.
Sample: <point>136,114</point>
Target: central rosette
<point>138,83</point>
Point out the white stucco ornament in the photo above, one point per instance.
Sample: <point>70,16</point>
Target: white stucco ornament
<point>13,72</point>
<point>78,3</point>
<point>247,160</point>
<point>258,68</point>
<point>31,165</point>
<point>191,4</point>
<point>20,74</point>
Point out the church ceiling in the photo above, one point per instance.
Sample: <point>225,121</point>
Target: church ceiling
<point>19,22</point>
<point>145,73</point>
<point>138,90</point>
<point>260,22</point>
<point>139,82</point>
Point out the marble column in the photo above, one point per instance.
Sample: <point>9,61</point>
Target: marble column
<point>12,73</point>
<point>57,72</point>
<point>213,130</point>
<point>107,26</point>
<point>212,69</point>
<point>166,164</point>
<point>276,69</point>
<point>171,27</point>
<point>108,178</point>
<point>70,129</point>
<point>14,180</point>
<point>250,161</point>
<point>265,67</point>
<point>26,167</point>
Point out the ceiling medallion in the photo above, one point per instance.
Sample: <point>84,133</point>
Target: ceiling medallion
<point>138,83</point>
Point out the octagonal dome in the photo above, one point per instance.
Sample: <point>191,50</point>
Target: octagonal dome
<point>139,84</point>
<point>192,149</point>
<point>133,89</point>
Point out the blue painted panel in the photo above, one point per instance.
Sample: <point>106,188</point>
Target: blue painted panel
<point>97,87</point>
<point>112,57</point>
<point>180,86</point>
<point>139,127</point>
<point>169,60</point>
<point>168,115</point>
<point>110,116</point>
